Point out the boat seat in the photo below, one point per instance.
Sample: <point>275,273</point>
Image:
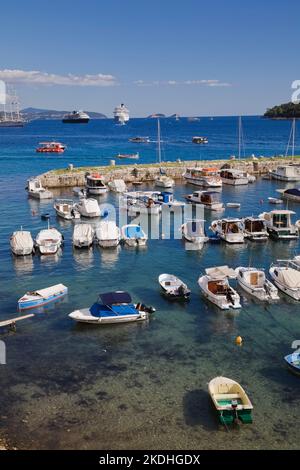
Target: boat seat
<point>228,396</point>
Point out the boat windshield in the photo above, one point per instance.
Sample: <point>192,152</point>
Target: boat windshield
<point>281,220</point>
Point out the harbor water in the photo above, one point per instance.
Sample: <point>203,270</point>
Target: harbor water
<point>144,385</point>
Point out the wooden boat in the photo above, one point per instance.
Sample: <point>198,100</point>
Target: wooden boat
<point>113,307</point>
<point>21,243</point>
<point>173,287</point>
<point>293,362</point>
<point>215,287</point>
<point>254,282</point>
<point>133,235</point>
<point>42,297</point>
<point>230,401</point>
<point>286,276</point>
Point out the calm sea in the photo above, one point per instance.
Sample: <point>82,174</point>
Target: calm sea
<point>141,385</point>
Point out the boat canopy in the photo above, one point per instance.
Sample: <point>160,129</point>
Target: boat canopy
<point>221,272</point>
<point>289,277</point>
<point>53,290</point>
<point>118,297</point>
<point>22,239</point>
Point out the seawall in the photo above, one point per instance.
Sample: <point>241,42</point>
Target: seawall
<point>72,177</point>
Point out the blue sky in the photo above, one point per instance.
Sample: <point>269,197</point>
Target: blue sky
<point>190,57</point>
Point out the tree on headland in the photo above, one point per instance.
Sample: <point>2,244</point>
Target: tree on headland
<point>284,111</point>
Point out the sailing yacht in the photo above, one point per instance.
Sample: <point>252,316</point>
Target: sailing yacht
<point>287,172</point>
<point>10,115</point>
<point>162,180</point>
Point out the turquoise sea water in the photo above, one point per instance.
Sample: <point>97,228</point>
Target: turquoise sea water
<point>141,385</point>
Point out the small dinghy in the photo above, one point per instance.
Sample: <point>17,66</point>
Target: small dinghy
<point>293,362</point>
<point>48,241</point>
<point>41,297</point>
<point>88,207</point>
<point>233,205</point>
<point>215,287</point>
<point>113,307</point>
<point>21,243</point>
<point>83,235</point>
<point>254,282</point>
<point>286,276</point>
<point>108,234</point>
<point>230,401</point>
<point>173,287</point>
<point>133,235</point>
<point>275,200</point>
<point>193,231</point>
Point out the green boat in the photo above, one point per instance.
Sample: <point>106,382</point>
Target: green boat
<point>230,400</point>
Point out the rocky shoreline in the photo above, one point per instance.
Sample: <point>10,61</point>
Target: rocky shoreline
<point>72,177</point>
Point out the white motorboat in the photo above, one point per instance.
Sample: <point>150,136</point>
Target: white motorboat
<point>255,229</point>
<point>118,186</point>
<point>233,205</point>
<point>279,224</point>
<point>36,190</point>
<point>193,231</point>
<point>88,207</point>
<point>254,282</point>
<point>108,234</point>
<point>286,276</point>
<point>206,177</point>
<point>293,194</point>
<point>285,173</point>
<point>48,241</point>
<point>229,230</point>
<point>83,235</point>
<point>234,177</point>
<point>133,235</point>
<point>141,202</point>
<point>66,209</point>
<point>21,243</point>
<point>94,183</point>
<point>211,200</point>
<point>215,287</point>
<point>113,307</point>
<point>173,287</point>
<point>275,200</point>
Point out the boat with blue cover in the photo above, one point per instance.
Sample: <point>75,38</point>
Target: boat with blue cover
<point>42,297</point>
<point>133,235</point>
<point>293,362</point>
<point>113,307</point>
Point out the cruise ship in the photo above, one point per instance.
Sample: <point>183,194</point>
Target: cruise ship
<point>76,117</point>
<point>121,114</point>
<point>10,115</point>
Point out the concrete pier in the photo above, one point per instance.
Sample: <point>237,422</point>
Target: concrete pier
<point>72,176</point>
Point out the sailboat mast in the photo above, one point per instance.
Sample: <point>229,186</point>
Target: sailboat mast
<point>240,135</point>
<point>158,141</point>
<point>293,137</point>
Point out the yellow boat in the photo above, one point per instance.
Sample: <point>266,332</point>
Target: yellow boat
<point>230,400</point>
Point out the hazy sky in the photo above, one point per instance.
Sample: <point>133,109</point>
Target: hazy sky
<point>190,57</point>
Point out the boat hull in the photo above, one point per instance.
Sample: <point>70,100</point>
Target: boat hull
<point>39,303</point>
<point>75,121</point>
<point>84,316</point>
<point>96,191</point>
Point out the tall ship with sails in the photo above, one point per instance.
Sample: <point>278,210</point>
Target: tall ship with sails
<point>121,114</point>
<point>10,115</point>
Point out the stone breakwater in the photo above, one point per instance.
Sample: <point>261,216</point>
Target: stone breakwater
<point>73,177</point>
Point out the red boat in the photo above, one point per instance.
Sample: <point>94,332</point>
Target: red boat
<point>51,147</point>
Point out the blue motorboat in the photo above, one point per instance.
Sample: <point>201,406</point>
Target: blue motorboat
<point>113,307</point>
<point>293,362</point>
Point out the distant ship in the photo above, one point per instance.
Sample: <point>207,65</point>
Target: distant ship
<point>76,117</point>
<point>10,114</point>
<point>121,114</point>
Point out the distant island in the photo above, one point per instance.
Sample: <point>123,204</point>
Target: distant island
<point>31,114</point>
<point>284,111</point>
